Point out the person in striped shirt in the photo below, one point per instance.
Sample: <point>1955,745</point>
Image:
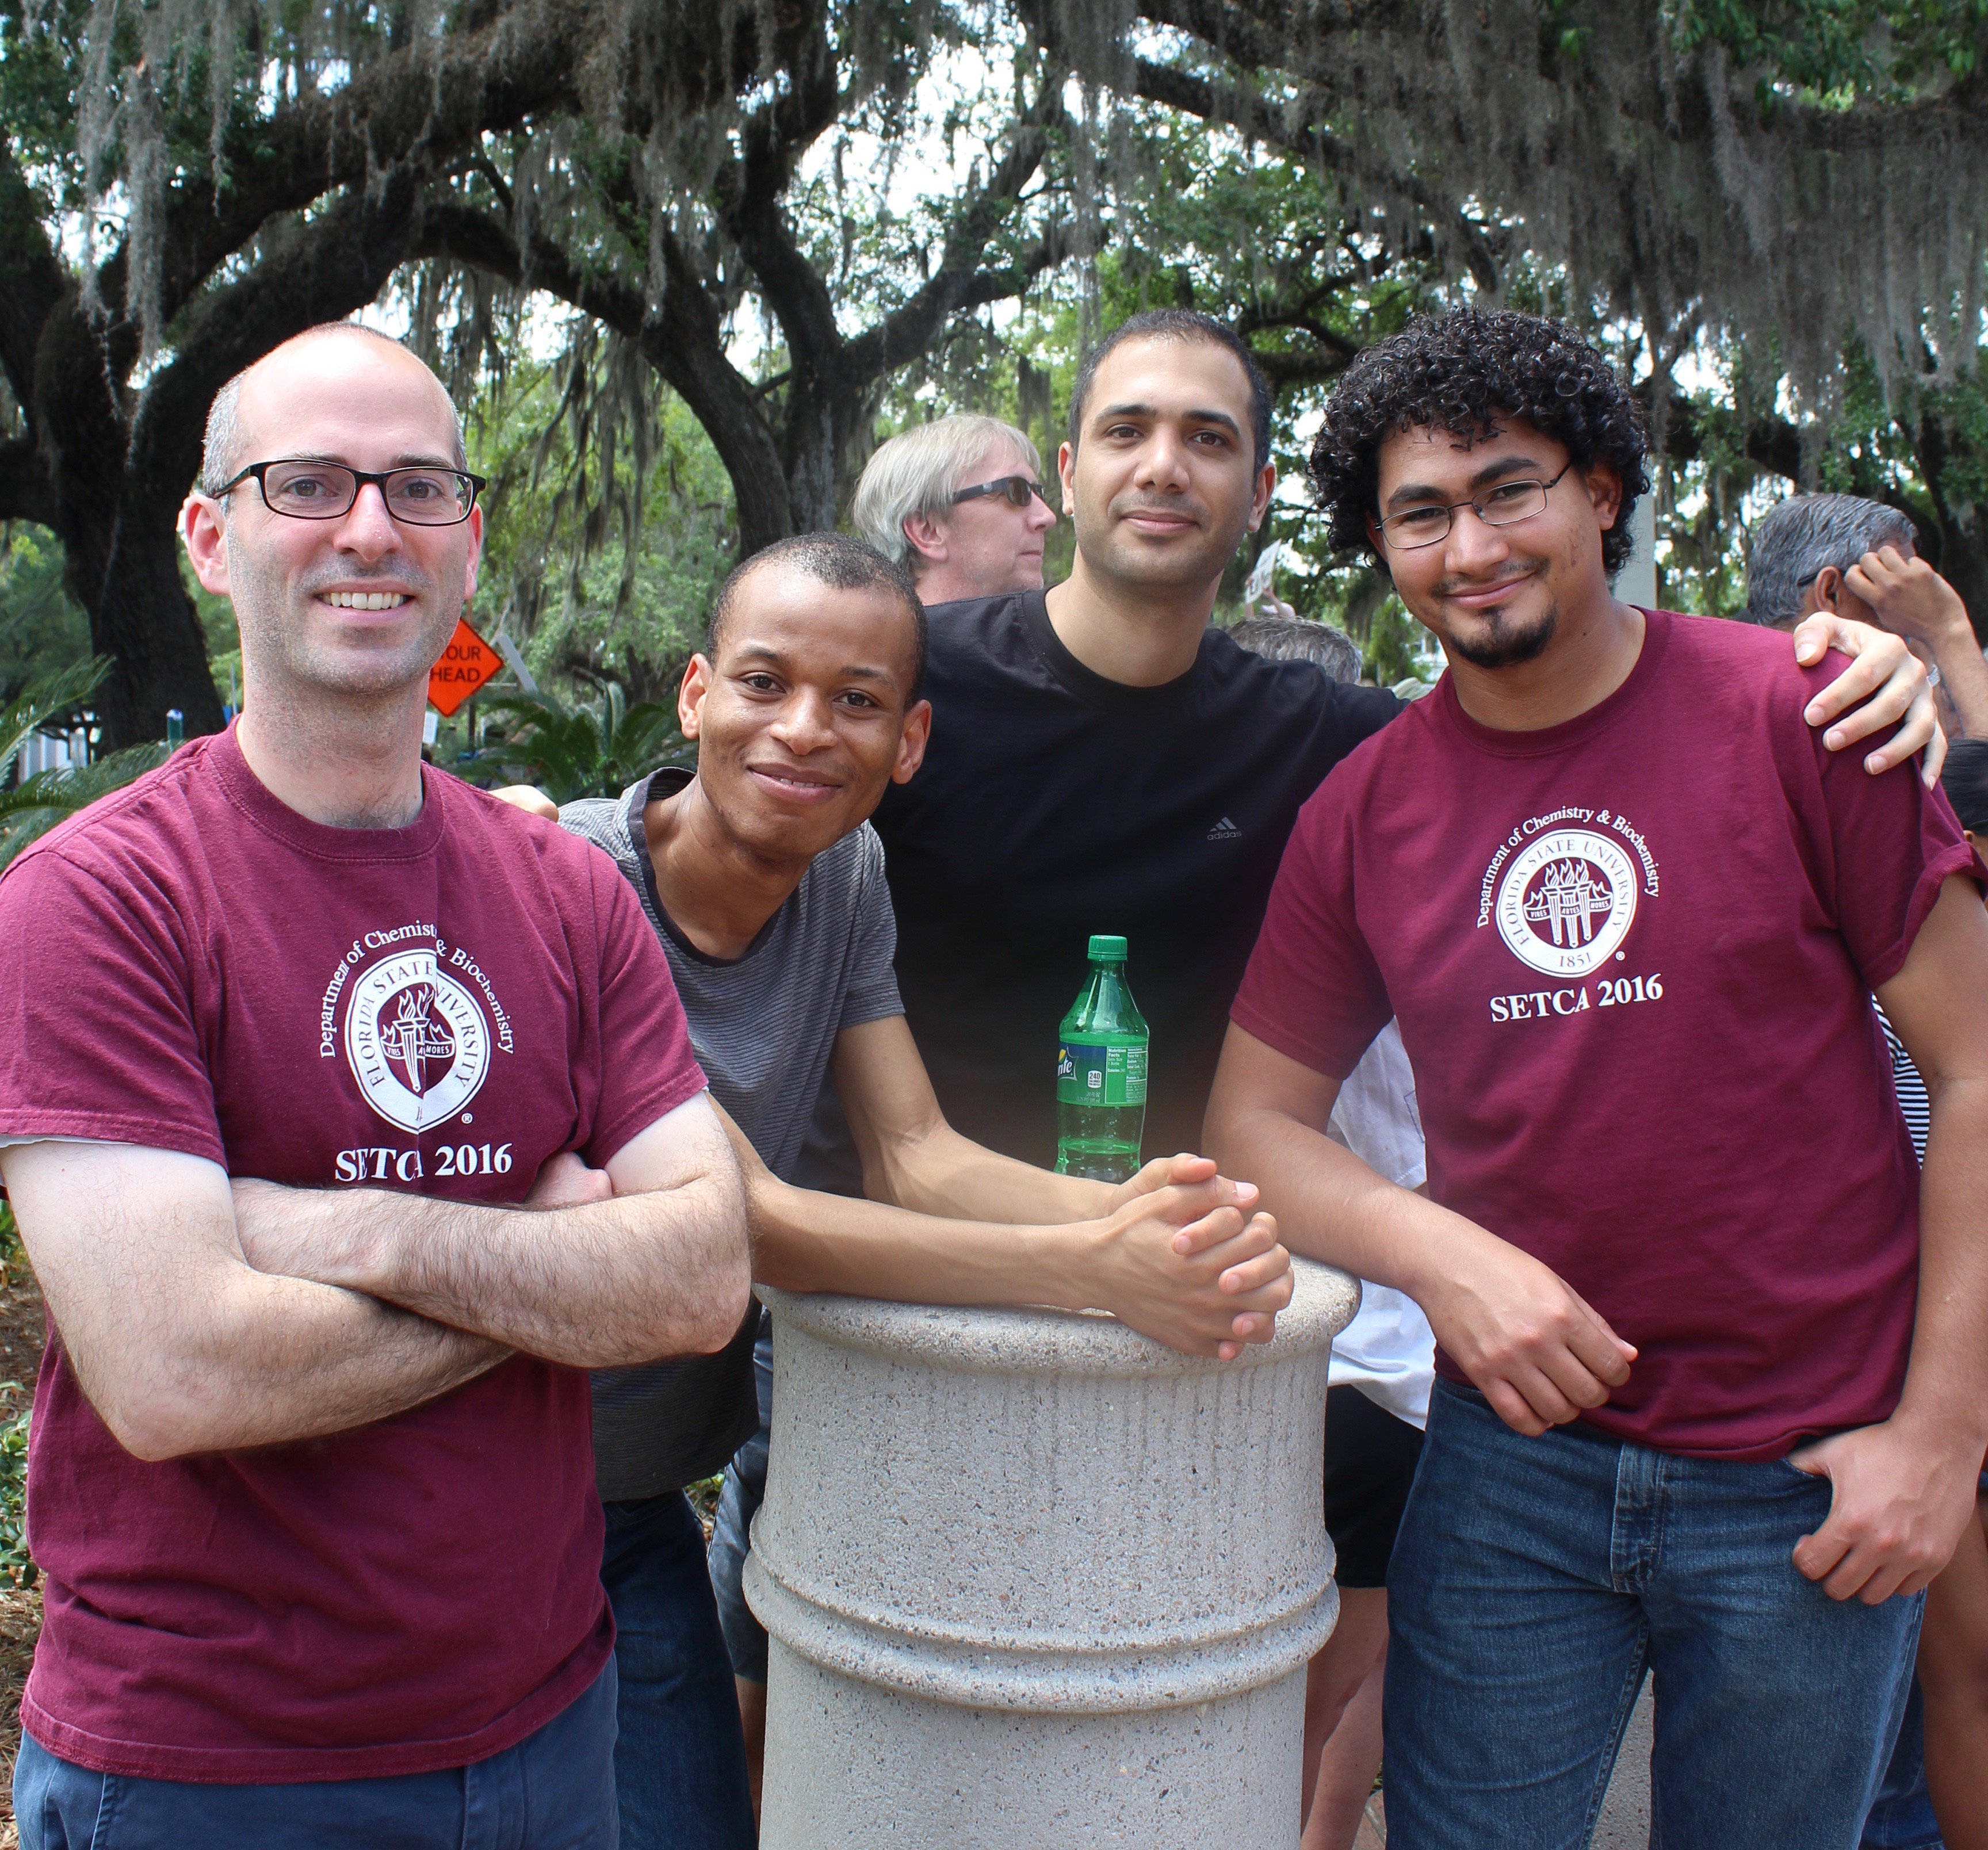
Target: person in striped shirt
<point>1953,1641</point>
<point>1845,553</point>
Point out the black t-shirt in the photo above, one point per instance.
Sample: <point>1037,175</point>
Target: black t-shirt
<point>1053,803</point>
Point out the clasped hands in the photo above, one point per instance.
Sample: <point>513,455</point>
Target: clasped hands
<point>1184,1257</point>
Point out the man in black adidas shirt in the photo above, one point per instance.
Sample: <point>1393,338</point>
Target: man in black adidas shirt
<point>1071,801</point>
<point>1102,761</point>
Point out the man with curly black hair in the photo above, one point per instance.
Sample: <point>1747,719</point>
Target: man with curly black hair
<point>1711,1403</point>
<point>1464,372</point>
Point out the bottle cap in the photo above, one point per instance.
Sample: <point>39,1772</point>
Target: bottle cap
<point>1108,950</point>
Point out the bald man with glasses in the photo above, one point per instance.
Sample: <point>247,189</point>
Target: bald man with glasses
<point>349,1119</point>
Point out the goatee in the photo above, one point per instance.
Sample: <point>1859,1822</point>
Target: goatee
<point>1505,646</point>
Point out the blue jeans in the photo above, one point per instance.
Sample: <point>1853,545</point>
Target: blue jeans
<point>1534,1581</point>
<point>1901,1814</point>
<point>554,1790</point>
<point>732,1527</point>
<point>680,1762</point>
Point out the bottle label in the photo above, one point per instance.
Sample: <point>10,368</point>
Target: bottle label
<point>1091,1073</point>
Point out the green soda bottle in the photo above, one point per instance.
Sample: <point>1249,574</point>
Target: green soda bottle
<point>1101,1073</point>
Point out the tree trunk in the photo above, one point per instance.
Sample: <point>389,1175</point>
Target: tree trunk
<point>118,537</point>
<point>120,462</point>
<point>686,345</point>
<point>1962,525</point>
<point>140,614</point>
<point>822,408</point>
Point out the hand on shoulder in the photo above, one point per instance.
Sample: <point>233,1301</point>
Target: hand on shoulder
<point>1886,685</point>
<point>528,797</point>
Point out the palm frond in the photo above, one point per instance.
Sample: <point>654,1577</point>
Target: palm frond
<point>48,699</point>
<point>581,750</point>
<point>31,809</point>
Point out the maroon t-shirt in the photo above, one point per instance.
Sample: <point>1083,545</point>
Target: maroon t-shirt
<point>193,966</point>
<point>1632,958</point>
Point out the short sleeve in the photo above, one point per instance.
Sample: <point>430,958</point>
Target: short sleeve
<point>647,1064</point>
<point>871,993</point>
<point>1312,989</point>
<point>1893,843</point>
<point>103,1041</point>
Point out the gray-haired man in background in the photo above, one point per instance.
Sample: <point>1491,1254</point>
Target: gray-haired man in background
<point>959,503</point>
<point>1298,639</point>
<point>1856,558</point>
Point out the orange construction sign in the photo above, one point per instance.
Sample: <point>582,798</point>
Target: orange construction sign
<point>466,664</point>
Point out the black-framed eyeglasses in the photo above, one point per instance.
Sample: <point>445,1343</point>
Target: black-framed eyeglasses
<point>305,489</point>
<point>1505,504</point>
<point>1017,491</point>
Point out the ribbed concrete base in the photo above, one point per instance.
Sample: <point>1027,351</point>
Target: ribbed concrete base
<point>1034,1580</point>
<point>851,1764</point>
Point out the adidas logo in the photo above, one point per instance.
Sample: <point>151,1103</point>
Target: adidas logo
<point>1225,830</point>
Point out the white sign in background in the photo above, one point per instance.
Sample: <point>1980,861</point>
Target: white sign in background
<point>1260,574</point>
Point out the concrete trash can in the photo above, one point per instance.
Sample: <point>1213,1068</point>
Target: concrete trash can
<point>1032,1579</point>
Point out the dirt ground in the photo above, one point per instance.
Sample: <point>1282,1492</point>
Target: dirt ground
<point>21,1329</point>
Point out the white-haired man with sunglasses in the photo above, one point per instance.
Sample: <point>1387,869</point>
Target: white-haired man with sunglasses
<point>960,502</point>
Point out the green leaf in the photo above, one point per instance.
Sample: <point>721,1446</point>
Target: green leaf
<point>15,1559</point>
<point>572,751</point>
<point>49,797</point>
<point>31,808</point>
<point>52,697</point>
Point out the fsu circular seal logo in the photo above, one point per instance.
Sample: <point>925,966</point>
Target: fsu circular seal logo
<point>1567,902</point>
<point>416,1041</point>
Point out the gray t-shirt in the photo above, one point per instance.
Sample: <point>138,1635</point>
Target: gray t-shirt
<point>763,1026</point>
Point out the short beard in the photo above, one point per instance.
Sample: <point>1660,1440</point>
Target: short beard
<point>1505,648</point>
<point>1188,569</point>
<point>275,633</point>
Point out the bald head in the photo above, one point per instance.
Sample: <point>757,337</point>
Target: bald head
<point>248,414</point>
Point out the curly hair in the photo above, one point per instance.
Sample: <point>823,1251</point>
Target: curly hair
<point>1462,372</point>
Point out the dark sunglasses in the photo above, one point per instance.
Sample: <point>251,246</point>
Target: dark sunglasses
<point>1017,491</point>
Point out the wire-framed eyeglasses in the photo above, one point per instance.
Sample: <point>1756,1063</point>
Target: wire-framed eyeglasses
<point>1017,491</point>
<point>1505,504</point>
<point>304,489</point>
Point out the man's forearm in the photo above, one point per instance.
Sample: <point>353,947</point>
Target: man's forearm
<point>629,1280</point>
<point>183,1346</point>
<point>1946,1384</point>
<point>1963,678</point>
<point>1535,1352</point>
<point>276,1361</point>
<point>1332,1207</point>
<point>942,1173</point>
<point>1225,1289</point>
<point>803,1241</point>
